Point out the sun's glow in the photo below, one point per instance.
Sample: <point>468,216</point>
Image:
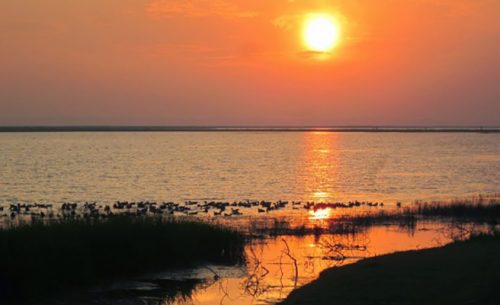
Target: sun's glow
<point>321,33</point>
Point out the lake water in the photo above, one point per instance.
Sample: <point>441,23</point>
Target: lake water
<point>226,166</point>
<point>305,166</point>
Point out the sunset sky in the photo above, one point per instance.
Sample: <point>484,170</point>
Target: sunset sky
<point>242,62</point>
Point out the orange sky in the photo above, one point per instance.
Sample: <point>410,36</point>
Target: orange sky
<point>236,62</point>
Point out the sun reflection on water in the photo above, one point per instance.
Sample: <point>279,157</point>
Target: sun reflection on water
<point>320,196</point>
<point>320,214</point>
<point>319,166</point>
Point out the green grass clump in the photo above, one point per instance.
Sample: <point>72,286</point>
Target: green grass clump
<point>38,259</point>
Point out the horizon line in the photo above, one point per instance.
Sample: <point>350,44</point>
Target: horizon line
<point>235,128</point>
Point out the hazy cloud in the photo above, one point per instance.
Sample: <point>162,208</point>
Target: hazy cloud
<point>287,22</point>
<point>461,7</point>
<point>198,8</point>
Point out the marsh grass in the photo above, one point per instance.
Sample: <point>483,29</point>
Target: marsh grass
<point>452,213</point>
<point>474,211</point>
<point>38,259</point>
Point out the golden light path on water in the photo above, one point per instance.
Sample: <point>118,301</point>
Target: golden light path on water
<point>319,166</point>
<point>320,214</point>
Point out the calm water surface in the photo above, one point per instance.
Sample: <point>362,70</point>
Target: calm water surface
<point>316,166</point>
<point>226,166</point>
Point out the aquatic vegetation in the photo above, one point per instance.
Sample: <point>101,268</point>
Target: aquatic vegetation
<point>455,213</point>
<point>48,248</point>
<point>459,209</point>
<point>41,258</point>
<point>476,208</point>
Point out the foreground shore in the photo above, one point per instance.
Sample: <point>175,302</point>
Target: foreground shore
<point>42,259</point>
<point>460,273</point>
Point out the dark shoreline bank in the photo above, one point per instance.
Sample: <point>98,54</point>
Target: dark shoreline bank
<point>464,272</point>
<point>382,129</point>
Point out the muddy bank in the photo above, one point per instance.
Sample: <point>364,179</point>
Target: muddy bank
<point>465,272</point>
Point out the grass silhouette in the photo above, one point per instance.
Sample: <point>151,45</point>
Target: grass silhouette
<point>40,258</point>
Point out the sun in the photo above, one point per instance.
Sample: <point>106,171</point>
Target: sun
<point>321,33</point>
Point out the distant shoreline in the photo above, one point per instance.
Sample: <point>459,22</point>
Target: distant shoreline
<point>246,129</point>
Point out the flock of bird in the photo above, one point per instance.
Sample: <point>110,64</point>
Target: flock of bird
<point>187,208</point>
